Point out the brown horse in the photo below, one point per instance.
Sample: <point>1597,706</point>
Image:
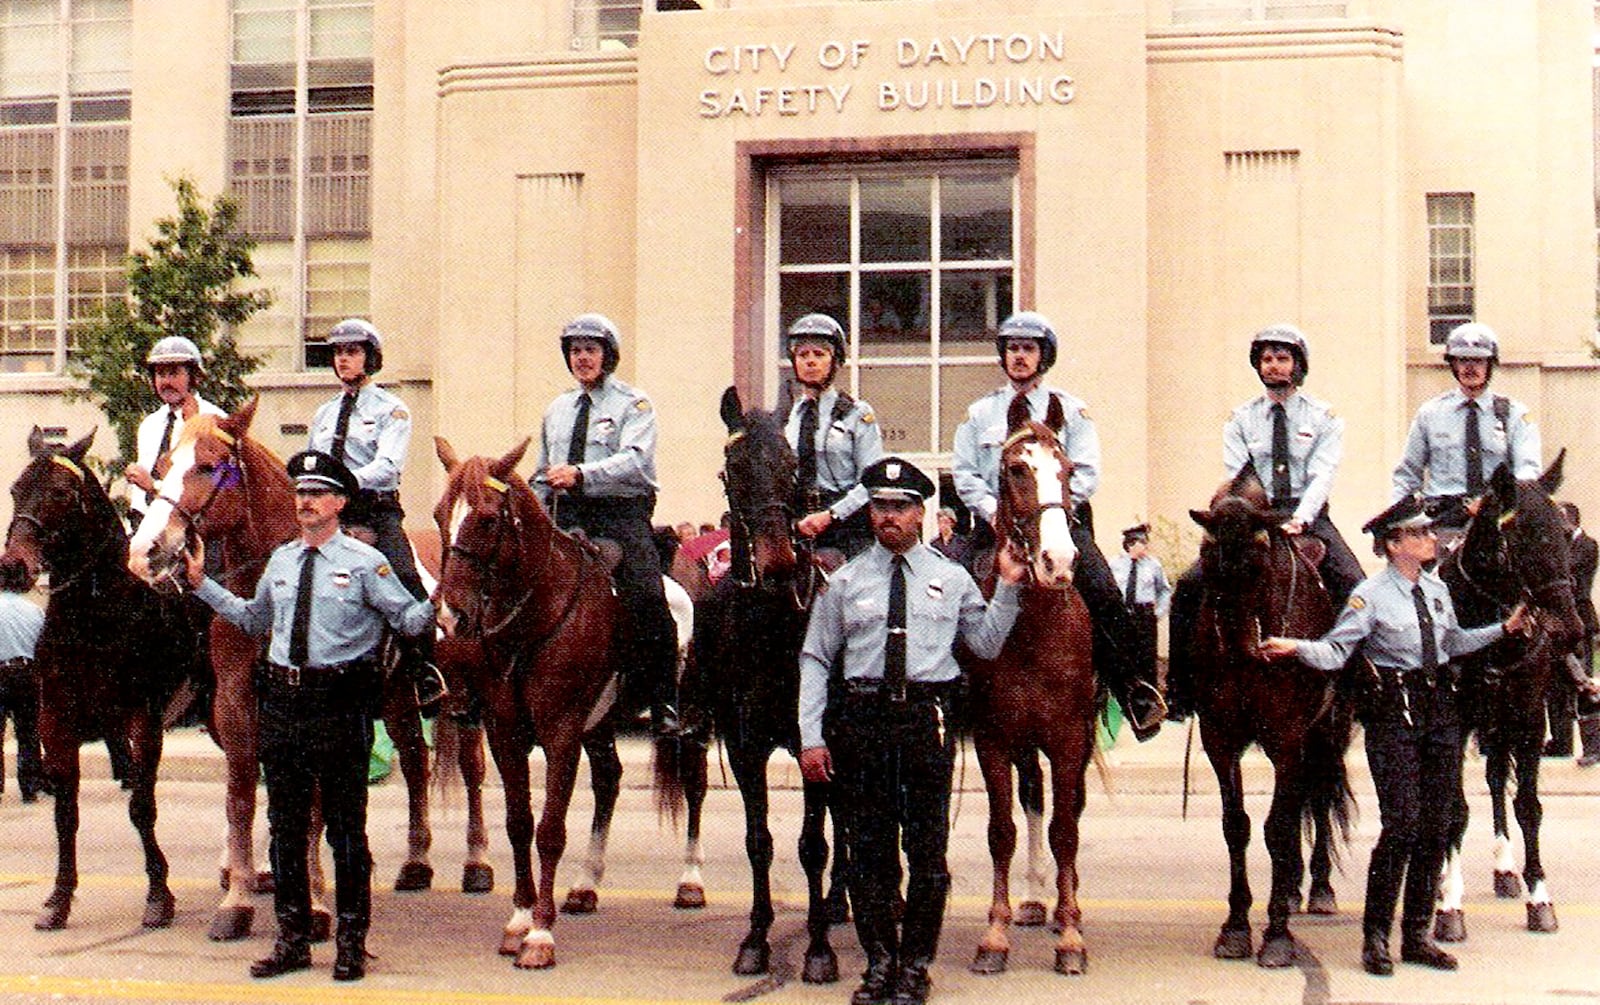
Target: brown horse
<point>1257,583</point>
<point>1039,694</point>
<point>542,606</point>
<point>230,490</point>
<point>109,656</point>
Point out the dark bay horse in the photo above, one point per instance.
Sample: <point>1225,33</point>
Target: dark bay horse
<point>1257,583</point>
<point>1039,694</point>
<point>109,656</point>
<point>746,655</point>
<point>541,605</point>
<point>1515,549</point>
<point>233,492</point>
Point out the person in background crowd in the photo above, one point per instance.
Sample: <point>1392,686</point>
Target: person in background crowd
<point>947,542</point>
<point>1570,698</point>
<point>20,622</point>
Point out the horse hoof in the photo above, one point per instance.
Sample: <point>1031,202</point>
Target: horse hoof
<point>1450,926</point>
<point>540,956</point>
<point>230,923</point>
<point>510,943</point>
<point>989,961</point>
<point>754,958</point>
<point>1506,884</point>
<point>581,902</point>
<point>159,910</point>
<point>1322,902</point>
<point>222,879</point>
<point>822,966</point>
<point>1542,918</point>
<point>1071,961</point>
<point>477,877</point>
<point>265,883</point>
<point>53,916</point>
<point>321,926</point>
<point>414,876</point>
<point>1030,914</point>
<point>1276,952</point>
<point>1232,945</point>
<point>691,897</point>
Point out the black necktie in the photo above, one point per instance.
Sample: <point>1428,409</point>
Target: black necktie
<point>300,631</point>
<point>341,428</point>
<point>1430,647</point>
<point>1474,452</point>
<point>894,648</point>
<point>1130,594</point>
<point>1280,455</point>
<point>580,431</point>
<point>808,445</point>
<point>166,434</point>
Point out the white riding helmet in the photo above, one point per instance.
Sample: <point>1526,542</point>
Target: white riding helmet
<point>1473,340</point>
<point>1290,338</point>
<point>600,328</point>
<point>175,349</point>
<point>1028,324</point>
<point>358,331</point>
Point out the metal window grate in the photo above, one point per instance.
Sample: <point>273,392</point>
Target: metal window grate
<point>339,175</point>
<point>27,186</point>
<point>97,188</point>
<point>261,175</point>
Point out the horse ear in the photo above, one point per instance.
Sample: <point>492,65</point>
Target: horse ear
<point>1551,479</point>
<point>1201,517</point>
<point>36,442</point>
<point>1246,479</point>
<point>446,454</point>
<point>505,465</point>
<point>1504,486</point>
<point>1054,417</point>
<point>238,423</point>
<point>732,410</point>
<point>77,450</point>
<point>1017,414</point>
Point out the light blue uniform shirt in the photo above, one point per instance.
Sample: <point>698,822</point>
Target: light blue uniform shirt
<point>619,459</point>
<point>20,622</point>
<point>844,449</point>
<point>1316,444</point>
<point>1381,619</point>
<point>1437,445</point>
<point>1150,586</point>
<point>376,440</point>
<point>354,595</point>
<point>975,463</point>
<point>850,621</point>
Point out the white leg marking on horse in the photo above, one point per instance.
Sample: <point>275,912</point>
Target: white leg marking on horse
<point>694,853</point>
<point>691,876</point>
<point>539,937</point>
<point>521,921</point>
<point>1452,887</point>
<point>1540,894</point>
<point>1038,879</point>
<point>597,858</point>
<point>1504,861</point>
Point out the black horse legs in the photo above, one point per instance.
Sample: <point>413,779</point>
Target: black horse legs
<point>750,772</point>
<point>1233,943</point>
<point>821,966</point>
<point>1282,836</point>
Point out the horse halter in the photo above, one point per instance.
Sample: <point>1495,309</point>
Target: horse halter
<point>482,562</point>
<point>1023,529</point>
<point>50,537</point>
<point>743,523</point>
<point>229,474</point>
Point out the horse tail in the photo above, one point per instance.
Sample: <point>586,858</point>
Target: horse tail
<point>446,768</point>
<point>1329,798</point>
<point>671,758</point>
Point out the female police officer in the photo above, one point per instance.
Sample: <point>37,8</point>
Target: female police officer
<point>1402,621</point>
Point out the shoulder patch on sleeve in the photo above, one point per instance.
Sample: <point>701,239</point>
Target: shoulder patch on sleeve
<point>382,569</point>
<point>868,418</point>
<point>1527,417</point>
<point>1084,412</point>
<point>1356,603</point>
<point>399,413</point>
<point>643,404</point>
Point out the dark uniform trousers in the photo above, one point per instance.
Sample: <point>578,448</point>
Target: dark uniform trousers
<point>315,736</point>
<point>19,699</point>
<point>382,513</point>
<point>1416,769</point>
<point>893,759</point>
<point>626,520</point>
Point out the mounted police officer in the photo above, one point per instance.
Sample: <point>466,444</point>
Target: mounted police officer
<point>834,436</point>
<point>1026,344</point>
<point>325,598</point>
<point>885,627</point>
<point>597,473</point>
<point>1458,438</point>
<point>368,429</point>
<point>1402,622</point>
<point>175,369</point>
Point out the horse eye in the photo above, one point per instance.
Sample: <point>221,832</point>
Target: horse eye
<point>205,469</point>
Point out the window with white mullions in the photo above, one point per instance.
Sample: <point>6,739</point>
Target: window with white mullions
<point>918,262</point>
<point>1451,284</point>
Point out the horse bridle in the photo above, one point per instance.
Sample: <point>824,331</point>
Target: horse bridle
<point>228,474</point>
<point>1024,530</point>
<point>742,526</point>
<point>49,537</point>
<point>1533,596</point>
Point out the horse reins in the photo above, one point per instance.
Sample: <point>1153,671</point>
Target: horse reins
<point>802,587</point>
<point>49,537</point>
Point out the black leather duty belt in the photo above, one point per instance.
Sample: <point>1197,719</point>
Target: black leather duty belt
<point>291,676</point>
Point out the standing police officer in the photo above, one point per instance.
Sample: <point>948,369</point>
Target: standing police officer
<point>21,620</point>
<point>175,370</point>
<point>1145,592</point>
<point>1458,438</point>
<point>325,598</point>
<point>1402,621</point>
<point>368,429</point>
<point>1026,343</point>
<point>597,472</point>
<point>892,615</point>
<point>834,436</point>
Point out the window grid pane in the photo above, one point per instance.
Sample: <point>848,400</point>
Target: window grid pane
<point>96,275</point>
<point>1451,292</point>
<point>341,29</point>
<point>27,309</point>
<point>605,24</point>
<point>102,46</point>
<point>30,48</point>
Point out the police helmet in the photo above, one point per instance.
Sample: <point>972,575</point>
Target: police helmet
<point>600,328</point>
<point>1028,324</point>
<point>175,349</point>
<point>357,331</point>
<point>315,469</point>
<point>1285,336</point>
<point>1472,340</point>
<point>816,326</point>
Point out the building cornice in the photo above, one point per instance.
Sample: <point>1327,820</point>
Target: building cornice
<point>590,69</point>
<point>1291,40</point>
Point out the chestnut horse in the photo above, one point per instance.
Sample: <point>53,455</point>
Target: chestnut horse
<point>541,605</point>
<point>746,654</point>
<point>1039,693</point>
<point>109,656</point>
<point>1257,583</point>
<point>234,493</point>
<point>1515,549</point>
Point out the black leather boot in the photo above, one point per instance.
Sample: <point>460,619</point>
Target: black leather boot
<point>1417,947</point>
<point>1375,954</point>
<point>350,959</point>
<point>878,982</point>
<point>913,984</point>
<point>288,955</point>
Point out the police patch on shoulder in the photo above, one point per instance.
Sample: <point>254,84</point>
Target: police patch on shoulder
<point>1356,603</point>
<point>643,404</point>
<point>1084,412</point>
<point>868,418</point>
<point>399,414</point>
<point>382,569</point>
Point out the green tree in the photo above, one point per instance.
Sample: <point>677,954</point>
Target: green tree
<point>185,284</point>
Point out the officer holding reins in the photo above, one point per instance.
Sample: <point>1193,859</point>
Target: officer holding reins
<point>325,599</point>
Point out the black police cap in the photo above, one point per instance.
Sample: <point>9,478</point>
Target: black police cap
<point>1141,532</point>
<point>897,479</point>
<point>1409,511</point>
<point>313,468</point>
